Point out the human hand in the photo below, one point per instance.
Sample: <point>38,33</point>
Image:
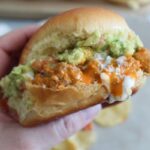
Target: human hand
<point>43,137</point>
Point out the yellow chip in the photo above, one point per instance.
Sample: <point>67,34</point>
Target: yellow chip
<point>114,115</point>
<point>79,141</point>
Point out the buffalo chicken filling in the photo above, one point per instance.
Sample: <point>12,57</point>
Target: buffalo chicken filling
<point>118,75</point>
<point>113,60</point>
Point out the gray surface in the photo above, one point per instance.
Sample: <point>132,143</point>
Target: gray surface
<point>135,133</point>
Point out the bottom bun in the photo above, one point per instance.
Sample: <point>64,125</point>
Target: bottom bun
<point>40,104</point>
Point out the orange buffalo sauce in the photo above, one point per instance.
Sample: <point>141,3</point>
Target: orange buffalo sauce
<point>62,74</point>
<point>91,73</point>
<point>130,67</point>
<point>116,85</point>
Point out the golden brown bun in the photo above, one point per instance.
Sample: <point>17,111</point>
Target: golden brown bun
<point>49,104</point>
<point>69,26</point>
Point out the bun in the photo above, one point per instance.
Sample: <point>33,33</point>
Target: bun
<point>70,26</point>
<point>48,104</point>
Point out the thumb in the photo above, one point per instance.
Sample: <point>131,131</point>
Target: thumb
<point>54,132</point>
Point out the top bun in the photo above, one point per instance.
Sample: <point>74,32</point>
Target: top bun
<point>61,31</point>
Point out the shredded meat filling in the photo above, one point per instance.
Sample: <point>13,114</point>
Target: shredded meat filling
<point>50,73</point>
<point>60,74</point>
<point>143,55</point>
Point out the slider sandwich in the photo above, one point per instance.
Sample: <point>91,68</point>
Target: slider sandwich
<point>77,59</point>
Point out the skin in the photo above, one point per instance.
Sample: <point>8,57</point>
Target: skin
<point>43,137</point>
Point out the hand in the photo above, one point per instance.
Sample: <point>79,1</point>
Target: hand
<point>43,137</point>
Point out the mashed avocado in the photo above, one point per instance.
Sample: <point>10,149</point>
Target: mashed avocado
<point>121,44</point>
<point>92,40</point>
<point>12,86</point>
<point>76,56</point>
<point>12,82</point>
<point>115,44</point>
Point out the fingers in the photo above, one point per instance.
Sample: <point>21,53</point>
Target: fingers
<point>11,45</point>
<point>16,39</point>
<point>4,63</point>
<point>53,133</point>
<point>4,117</point>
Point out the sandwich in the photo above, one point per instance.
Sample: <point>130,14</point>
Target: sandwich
<point>80,58</point>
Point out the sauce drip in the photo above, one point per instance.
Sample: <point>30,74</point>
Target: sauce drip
<point>91,73</point>
<point>116,85</point>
